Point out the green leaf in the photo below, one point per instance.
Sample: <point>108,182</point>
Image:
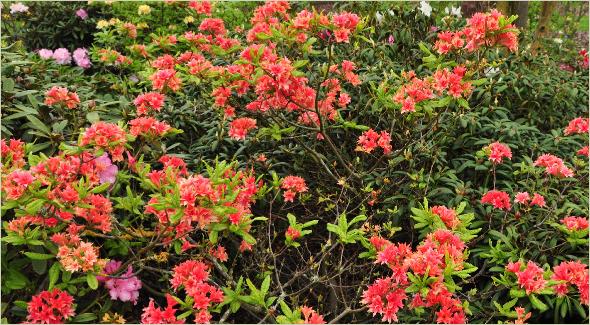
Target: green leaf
<point>538,304</point>
<point>93,117</point>
<point>92,281</point>
<point>53,274</point>
<point>265,285</point>
<point>101,188</point>
<point>33,207</point>
<point>37,124</point>
<point>39,256</point>
<point>15,280</point>
<point>85,317</point>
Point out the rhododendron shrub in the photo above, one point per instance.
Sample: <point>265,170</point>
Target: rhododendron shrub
<point>202,167</point>
<point>59,203</point>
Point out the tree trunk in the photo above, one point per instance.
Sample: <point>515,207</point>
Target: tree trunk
<point>521,8</point>
<point>503,7</point>
<point>544,24</point>
<point>468,8</point>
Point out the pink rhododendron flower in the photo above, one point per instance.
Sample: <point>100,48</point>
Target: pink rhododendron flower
<point>499,199</point>
<point>107,136</point>
<point>201,7</point>
<point>124,287</point>
<point>108,171</point>
<point>15,184</point>
<point>62,56</point>
<point>192,276</point>
<point>583,152</point>
<point>292,233</point>
<point>521,317</point>
<point>18,7</point>
<point>482,29</point>
<point>82,14</point>
<point>148,127</point>
<point>81,58</point>
<point>584,62</point>
<point>46,54</point>
<point>165,79</point>
<point>310,316</point>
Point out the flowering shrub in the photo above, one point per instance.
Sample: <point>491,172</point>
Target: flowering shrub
<point>276,162</point>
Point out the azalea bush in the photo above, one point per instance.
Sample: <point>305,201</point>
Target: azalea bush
<point>279,163</point>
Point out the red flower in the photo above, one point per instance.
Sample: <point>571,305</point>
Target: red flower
<point>448,216</point>
<point>201,7</point>
<point>522,198</point>
<point>482,29</point>
<point>239,127</point>
<point>497,151</point>
<point>213,25</point>
<point>219,253</point>
<point>15,184</point>
<point>148,127</point>
<point>345,22</point>
<point>499,199</point>
<point>50,307</point>
<point>572,273</point>
<point>293,185</point>
<point>578,125</point>
<point>370,140</point>
<point>61,96</point>
<point>292,233</point>
<point>165,79</point>
<point>149,101</point>
<point>310,316</point>
<point>385,297</point>
<point>12,153</point>
<point>106,136</point>
<point>553,166</point>
<point>538,199</point>
<point>521,316</point>
<point>575,223</point>
<point>531,278</point>
<point>153,315</point>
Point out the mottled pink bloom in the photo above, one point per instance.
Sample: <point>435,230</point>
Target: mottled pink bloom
<point>18,7</point>
<point>124,287</point>
<point>108,171</point>
<point>62,56</point>
<point>82,14</point>
<point>81,58</point>
<point>45,54</point>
